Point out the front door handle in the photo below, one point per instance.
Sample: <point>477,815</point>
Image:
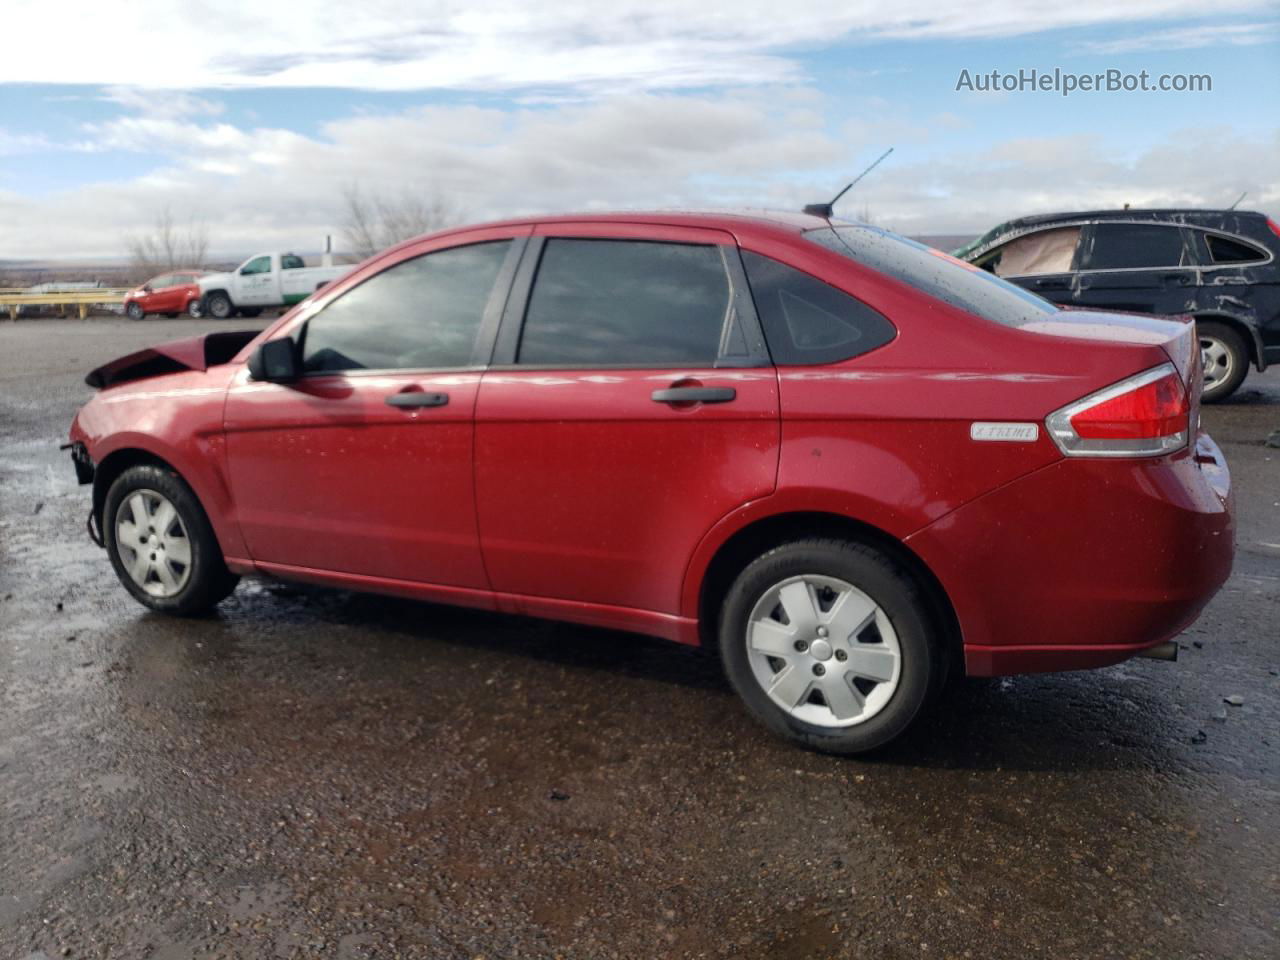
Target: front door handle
<point>417,398</point>
<point>695,395</point>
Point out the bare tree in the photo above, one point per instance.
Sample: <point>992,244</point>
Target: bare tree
<point>168,246</point>
<point>374,222</point>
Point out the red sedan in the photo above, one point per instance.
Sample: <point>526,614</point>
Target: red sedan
<point>170,293</point>
<point>848,462</point>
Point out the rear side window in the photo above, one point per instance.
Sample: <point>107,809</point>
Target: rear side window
<point>935,273</point>
<point>1225,250</point>
<point>609,302</point>
<point>291,261</point>
<point>420,314</point>
<point>807,321</point>
<point>1119,246</point>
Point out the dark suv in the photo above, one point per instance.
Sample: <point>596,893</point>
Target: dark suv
<point>1219,266</point>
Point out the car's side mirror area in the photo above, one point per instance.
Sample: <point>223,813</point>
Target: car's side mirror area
<point>276,361</point>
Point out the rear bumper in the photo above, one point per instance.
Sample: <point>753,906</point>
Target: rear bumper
<point>1085,562</point>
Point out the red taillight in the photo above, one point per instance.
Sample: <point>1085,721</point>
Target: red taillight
<point>1155,409</point>
<point>1146,415</point>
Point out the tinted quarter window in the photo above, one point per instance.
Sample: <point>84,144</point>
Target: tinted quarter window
<point>807,321</point>
<point>1225,250</point>
<point>935,273</point>
<point>601,302</point>
<point>422,313</point>
<point>1116,246</point>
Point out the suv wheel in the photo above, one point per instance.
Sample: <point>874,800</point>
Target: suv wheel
<point>829,644</point>
<point>1225,358</point>
<point>161,544</point>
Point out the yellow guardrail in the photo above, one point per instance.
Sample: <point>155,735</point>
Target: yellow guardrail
<point>82,299</point>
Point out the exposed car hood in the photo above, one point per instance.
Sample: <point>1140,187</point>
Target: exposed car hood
<point>194,353</point>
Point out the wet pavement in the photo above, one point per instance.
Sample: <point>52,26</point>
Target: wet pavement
<point>315,773</point>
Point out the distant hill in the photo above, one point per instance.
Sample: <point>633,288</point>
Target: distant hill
<point>944,241</point>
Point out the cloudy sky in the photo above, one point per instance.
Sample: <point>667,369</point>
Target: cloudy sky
<point>252,117</point>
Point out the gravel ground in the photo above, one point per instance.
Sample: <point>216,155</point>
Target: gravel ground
<point>316,773</point>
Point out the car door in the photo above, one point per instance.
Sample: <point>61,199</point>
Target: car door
<point>630,406</point>
<point>364,465</point>
<point>1142,267</point>
<point>153,300</point>
<point>256,283</point>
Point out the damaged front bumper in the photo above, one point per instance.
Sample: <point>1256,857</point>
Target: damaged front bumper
<point>85,471</point>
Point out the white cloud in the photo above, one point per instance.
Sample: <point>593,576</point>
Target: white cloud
<point>1189,38</point>
<point>264,188</point>
<point>459,44</point>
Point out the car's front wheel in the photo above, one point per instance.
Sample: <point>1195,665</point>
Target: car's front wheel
<point>830,644</point>
<point>161,544</point>
<point>1225,358</point>
<point>135,311</point>
<point>219,305</point>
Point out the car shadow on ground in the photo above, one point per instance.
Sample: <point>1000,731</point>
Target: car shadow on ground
<point>1111,719</point>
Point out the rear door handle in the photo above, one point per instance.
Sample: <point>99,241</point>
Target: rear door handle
<point>695,395</point>
<point>417,398</point>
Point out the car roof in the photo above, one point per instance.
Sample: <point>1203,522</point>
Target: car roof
<point>715,219</point>
<point>1200,216</point>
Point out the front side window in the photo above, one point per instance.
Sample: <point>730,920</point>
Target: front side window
<point>935,273</point>
<point>291,261</point>
<point>807,321</point>
<point>256,265</point>
<point>625,302</point>
<point>423,313</point>
<point>1035,254</point>
<point>159,283</point>
<point>1126,246</point>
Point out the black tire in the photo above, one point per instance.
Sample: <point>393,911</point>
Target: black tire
<point>250,311</point>
<point>922,657</point>
<point>1233,356</point>
<point>219,306</point>
<point>193,309</point>
<point>208,579</point>
<point>135,311</point>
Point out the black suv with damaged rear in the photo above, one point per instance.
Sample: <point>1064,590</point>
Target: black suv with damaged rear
<point>1221,267</point>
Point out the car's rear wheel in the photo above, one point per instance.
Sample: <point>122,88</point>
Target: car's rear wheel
<point>830,644</point>
<point>219,305</point>
<point>135,311</point>
<point>1225,358</point>
<point>193,309</point>
<point>161,544</point>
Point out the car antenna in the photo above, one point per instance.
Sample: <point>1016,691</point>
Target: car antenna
<point>826,210</point>
<point>1238,199</point>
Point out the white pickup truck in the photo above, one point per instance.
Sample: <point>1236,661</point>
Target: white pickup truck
<point>262,281</point>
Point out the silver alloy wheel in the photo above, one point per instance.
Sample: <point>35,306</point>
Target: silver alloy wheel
<point>193,310</point>
<point>152,543</point>
<point>823,651</point>
<point>1218,361</point>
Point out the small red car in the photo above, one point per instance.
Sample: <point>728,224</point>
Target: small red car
<point>847,461</point>
<point>170,293</point>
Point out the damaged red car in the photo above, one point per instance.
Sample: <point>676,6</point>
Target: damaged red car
<point>849,463</point>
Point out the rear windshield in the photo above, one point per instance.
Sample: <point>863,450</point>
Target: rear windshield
<point>936,273</point>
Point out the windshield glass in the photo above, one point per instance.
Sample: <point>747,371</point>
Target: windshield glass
<point>936,273</point>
